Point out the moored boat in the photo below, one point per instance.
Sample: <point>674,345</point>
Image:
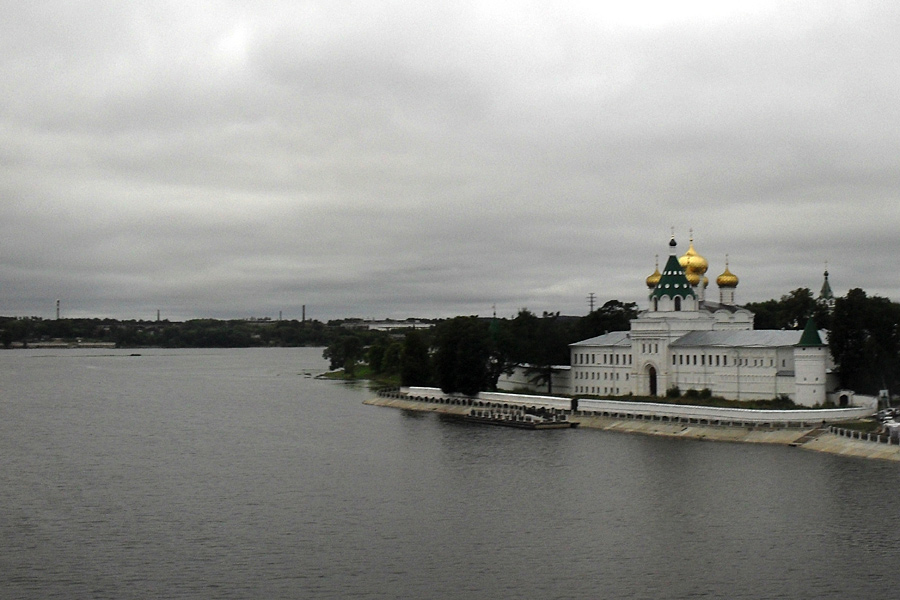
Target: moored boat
<point>518,419</point>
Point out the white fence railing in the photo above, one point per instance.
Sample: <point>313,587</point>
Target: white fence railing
<point>665,412</point>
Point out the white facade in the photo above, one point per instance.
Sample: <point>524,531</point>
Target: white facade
<point>686,342</point>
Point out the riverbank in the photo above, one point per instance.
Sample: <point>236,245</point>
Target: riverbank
<point>815,439</point>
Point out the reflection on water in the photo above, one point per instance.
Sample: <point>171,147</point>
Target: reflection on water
<point>233,474</point>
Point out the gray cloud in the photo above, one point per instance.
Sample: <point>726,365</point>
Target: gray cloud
<point>397,159</point>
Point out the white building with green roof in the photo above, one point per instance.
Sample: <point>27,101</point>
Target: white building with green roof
<point>684,340</point>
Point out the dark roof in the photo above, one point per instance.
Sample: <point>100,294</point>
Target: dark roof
<point>810,335</point>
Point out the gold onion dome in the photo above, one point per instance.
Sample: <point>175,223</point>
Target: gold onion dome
<point>693,263</point>
<point>654,277</point>
<point>727,279</point>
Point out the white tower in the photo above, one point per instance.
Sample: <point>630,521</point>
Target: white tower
<point>810,356</point>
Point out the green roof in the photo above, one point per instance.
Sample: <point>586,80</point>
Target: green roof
<point>810,335</point>
<point>673,281</point>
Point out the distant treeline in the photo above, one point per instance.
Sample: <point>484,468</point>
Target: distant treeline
<point>197,333</point>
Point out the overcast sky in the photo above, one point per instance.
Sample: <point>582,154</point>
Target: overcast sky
<point>382,159</point>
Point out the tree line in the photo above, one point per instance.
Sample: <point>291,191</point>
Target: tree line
<point>195,333</point>
<point>468,354</point>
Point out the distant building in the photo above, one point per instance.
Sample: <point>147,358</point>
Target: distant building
<point>387,325</point>
<point>686,341</point>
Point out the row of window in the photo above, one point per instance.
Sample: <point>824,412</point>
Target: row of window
<point>584,389</point>
<point>610,358</point>
<point>719,360</point>
<point>687,359</point>
<point>712,360</point>
<point>595,375</point>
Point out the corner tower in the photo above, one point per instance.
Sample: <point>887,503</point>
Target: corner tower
<point>810,357</point>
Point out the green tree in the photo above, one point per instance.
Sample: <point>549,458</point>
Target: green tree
<point>376,355</point>
<point>390,362</point>
<point>345,352</point>
<point>415,362</point>
<point>462,355</point>
<point>540,343</point>
<point>790,312</point>
<point>614,315</point>
<point>865,342</point>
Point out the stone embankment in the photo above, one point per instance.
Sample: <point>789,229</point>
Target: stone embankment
<point>819,437</point>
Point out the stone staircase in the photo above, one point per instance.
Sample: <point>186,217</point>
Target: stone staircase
<point>809,436</point>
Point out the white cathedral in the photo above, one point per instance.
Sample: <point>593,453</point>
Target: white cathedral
<point>686,341</point>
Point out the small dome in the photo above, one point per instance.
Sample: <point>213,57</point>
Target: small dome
<point>727,279</point>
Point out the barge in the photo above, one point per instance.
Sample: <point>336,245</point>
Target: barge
<point>517,418</point>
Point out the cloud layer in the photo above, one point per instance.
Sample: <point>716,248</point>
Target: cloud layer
<point>394,159</point>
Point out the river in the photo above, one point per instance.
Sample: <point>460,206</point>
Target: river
<point>236,474</point>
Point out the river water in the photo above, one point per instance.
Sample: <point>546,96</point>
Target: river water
<point>234,474</point>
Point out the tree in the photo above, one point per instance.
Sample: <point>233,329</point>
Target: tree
<point>540,343</point>
<point>865,342</point>
<point>415,363</point>
<point>462,355</point>
<point>376,355</point>
<point>790,312</point>
<point>500,358</point>
<point>390,363</point>
<point>612,316</point>
<point>345,352</point>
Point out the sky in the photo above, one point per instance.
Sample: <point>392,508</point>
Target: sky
<point>393,159</point>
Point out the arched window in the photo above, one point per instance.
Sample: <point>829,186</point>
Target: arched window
<point>677,302</point>
<point>655,304</point>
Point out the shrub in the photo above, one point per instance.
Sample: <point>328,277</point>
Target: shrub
<point>673,392</point>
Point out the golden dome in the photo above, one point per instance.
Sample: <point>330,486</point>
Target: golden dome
<point>692,262</point>
<point>653,279</point>
<point>727,279</point>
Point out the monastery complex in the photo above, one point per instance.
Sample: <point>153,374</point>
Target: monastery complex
<point>688,341</point>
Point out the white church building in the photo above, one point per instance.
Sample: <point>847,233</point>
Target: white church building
<point>684,340</point>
